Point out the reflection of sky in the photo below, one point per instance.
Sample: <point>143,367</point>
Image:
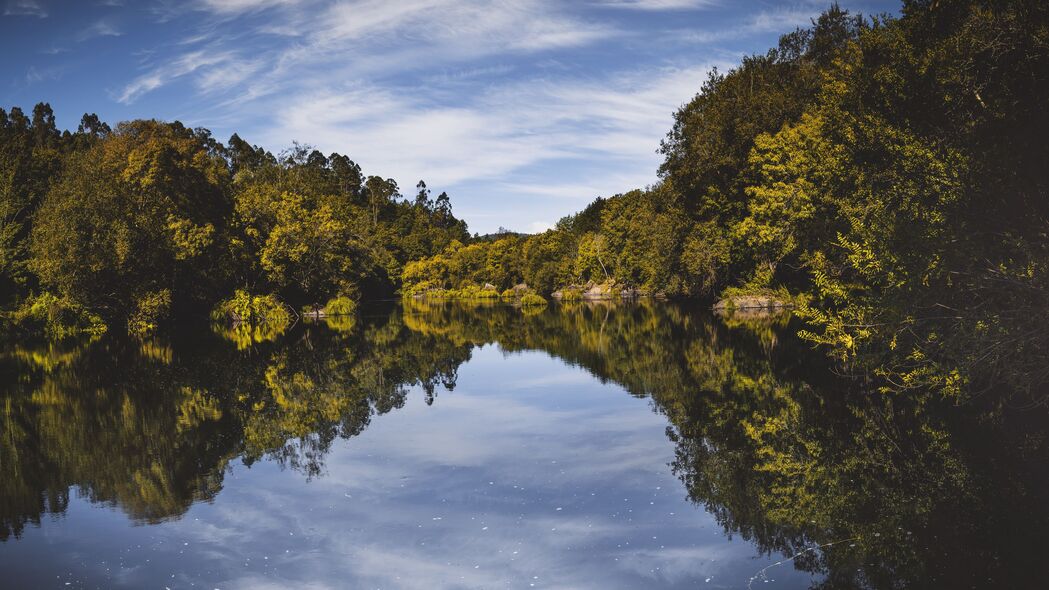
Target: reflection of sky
<point>528,473</point>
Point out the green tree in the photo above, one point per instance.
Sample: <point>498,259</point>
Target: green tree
<point>133,219</point>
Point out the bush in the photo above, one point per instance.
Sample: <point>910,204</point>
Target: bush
<point>57,317</point>
<point>150,310</point>
<point>247,319</point>
<point>778,296</point>
<point>532,300</point>
<point>246,308</point>
<point>340,306</point>
<point>468,292</point>
<point>338,314</point>
<point>571,295</point>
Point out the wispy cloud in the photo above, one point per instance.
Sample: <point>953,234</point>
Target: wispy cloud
<point>783,19</point>
<point>659,4</point>
<point>99,28</point>
<point>776,20</point>
<point>36,75</point>
<point>184,65</point>
<point>501,131</point>
<point>359,78</point>
<point>25,8</point>
<point>238,6</point>
<point>224,75</point>
<point>472,24</point>
<point>358,40</point>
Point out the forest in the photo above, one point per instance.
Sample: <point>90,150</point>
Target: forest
<point>884,174</point>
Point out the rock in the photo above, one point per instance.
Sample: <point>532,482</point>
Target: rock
<point>752,302</point>
<point>595,292</point>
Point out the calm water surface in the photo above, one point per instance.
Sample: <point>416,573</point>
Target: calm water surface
<point>448,446</point>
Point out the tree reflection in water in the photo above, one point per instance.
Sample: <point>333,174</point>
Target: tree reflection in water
<point>897,491</point>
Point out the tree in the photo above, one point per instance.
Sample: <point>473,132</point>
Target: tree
<point>422,196</point>
<point>132,221</point>
<point>380,193</point>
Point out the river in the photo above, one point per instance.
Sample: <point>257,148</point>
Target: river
<point>417,445</point>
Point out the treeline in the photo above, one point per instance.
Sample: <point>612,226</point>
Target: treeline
<point>132,226</point>
<point>886,172</point>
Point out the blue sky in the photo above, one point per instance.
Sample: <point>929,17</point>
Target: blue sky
<point>523,110</point>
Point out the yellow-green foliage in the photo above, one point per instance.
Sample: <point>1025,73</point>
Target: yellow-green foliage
<point>339,314</point>
<point>568,295</point>
<point>778,294</point>
<point>130,217</point>
<point>150,309</point>
<point>248,319</point>
<point>245,307</point>
<point>465,266</point>
<point>57,317</point>
<point>468,292</point>
<point>341,323</point>
<point>340,306</point>
<point>532,300</point>
<point>791,177</point>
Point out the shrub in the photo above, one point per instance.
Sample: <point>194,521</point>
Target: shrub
<point>338,314</point>
<point>246,308</point>
<point>57,317</point>
<point>532,300</point>
<point>247,319</point>
<point>150,310</point>
<point>571,295</point>
<point>340,306</point>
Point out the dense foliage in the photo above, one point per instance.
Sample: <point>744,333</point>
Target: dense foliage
<point>129,227</point>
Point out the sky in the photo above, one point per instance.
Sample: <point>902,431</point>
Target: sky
<point>523,111</point>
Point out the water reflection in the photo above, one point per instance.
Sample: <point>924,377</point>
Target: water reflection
<point>780,454</point>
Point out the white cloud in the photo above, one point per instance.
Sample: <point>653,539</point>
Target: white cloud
<point>659,4</point>
<point>34,75</point>
<point>25,8</point>
<point>778,20</point>
<point>100,28</point>
<point>453,91</point>
<point>237,6</point>
<point>537,227</point>
<point>474,27</point>
<point>183,66</point>
<point>228,75</point>
<point>360,39</point>
<point>783,19</point>
<point>512,128</point>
